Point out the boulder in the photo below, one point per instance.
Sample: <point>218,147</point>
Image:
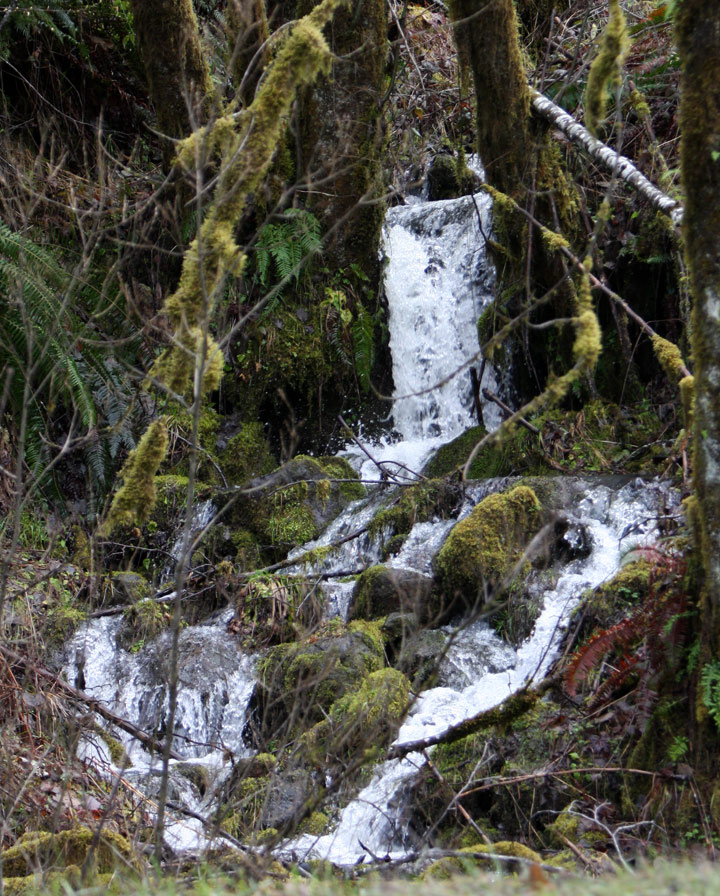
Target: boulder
<point>381,590</point>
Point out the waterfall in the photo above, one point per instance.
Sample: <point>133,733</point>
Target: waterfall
<point>437,283</point>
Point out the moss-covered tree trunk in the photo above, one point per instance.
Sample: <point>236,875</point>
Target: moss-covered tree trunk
<point>698,39</point>
<point>177,73</point>
<point>521,161</point>
<point>487,38</point>
<point>341,134</point>
<point>247,32</point>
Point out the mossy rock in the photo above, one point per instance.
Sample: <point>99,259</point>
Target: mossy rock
<point>126,588</point>
<point>171,502</point>
<point>601,438</point>
<point>41,849</point>
<point>293,504</point>
<point>364,719</point>
<point>246,455</point>
<point>452,865</point>
<point>143,621</point>
<point>298,683</point>
<point>612,600</point>
<point>381,590</point>
<point>482,548</point>
<point>269,802</point>
<point>449,178</point>
<point>417,504</point>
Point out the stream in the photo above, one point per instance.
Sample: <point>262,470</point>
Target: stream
<point>437,282</point>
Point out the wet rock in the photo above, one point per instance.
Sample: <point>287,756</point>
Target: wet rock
<point>291,505</point>
<point>382,589</point>
<point>298,683</point>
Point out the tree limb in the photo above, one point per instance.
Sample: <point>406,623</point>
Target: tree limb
<point>615,163</point>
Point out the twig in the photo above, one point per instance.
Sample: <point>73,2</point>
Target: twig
<point>491,396</point>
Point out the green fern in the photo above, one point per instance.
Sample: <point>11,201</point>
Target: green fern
<point>50,366</point>
<point>710,689</point>
<point>283,248</point>
<point>363,336</point>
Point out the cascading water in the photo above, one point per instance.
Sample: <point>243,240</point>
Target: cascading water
<point>437,282</point>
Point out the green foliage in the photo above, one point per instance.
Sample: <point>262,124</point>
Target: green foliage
<point>710,690</point>
<point>48,363</point>
<point>283,247</point>
<point>363,337</point>
<point>65,21</point>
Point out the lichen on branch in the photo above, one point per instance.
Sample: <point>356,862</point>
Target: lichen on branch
<point>606,69</point>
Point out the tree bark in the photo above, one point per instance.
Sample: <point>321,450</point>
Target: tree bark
<point>247,33</point>
<point>341,135</point>
<point>487,40</point>
<point>177,73</point>
<point>698,40</point>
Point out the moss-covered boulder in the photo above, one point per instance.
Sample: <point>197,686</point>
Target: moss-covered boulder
<point>482,549</point>
<point>416,504</point>
<point>298,683</point>
<point>449,177</point>
<point>122,588</point>
<point>473,859</point>
<point>143,621</point>
<point>381,590</point>
<point>246,455</point>
<point>601,438</point>
<point>292,505</point>
<point>362,721</point>
<point>41,850</point>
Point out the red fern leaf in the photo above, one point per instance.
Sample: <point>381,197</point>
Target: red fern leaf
<point>619,635</point>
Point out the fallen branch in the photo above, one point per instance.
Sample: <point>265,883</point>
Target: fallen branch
<point>612,161</point>
<point>435,854</point>
<point>509,710</point>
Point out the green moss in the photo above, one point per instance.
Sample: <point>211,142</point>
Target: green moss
<point>417,504</point>
<point>314,824</point>
<point>142,622</point>
<point>606,69</point>
<point>247,455</point>
<point>483,547</point>
<point>339,468</point>
<point>603,605</point>
<point>41,849</point>
<point>366,718</point>
<point>134,501</point>
<point>446,868</point>
<point>302,681</point>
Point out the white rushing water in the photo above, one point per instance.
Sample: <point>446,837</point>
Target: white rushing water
<point>437,282</point>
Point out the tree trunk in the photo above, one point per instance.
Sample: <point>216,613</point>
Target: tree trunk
<point>177,73</point>
<point>487,40</point>
<point>247,32</point>
<point>341,134</point>
<point>698,39</point>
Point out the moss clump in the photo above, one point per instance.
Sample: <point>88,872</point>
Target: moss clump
<point>364,719</point>
<point>275,609</point>
<point>482,548</point>
<point>454,454</point>
<point>417,504</point>
<point>134,501</point>
<point>300,682</point>
<point>41,849</point>
<point>670,358</point>
<point>446,868</point>
<point>247,455</point>
<point>314,824</point>
<point>610,601</point>
<point>142,622</point>
<point>338,468</point>
<point>606,69</point>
